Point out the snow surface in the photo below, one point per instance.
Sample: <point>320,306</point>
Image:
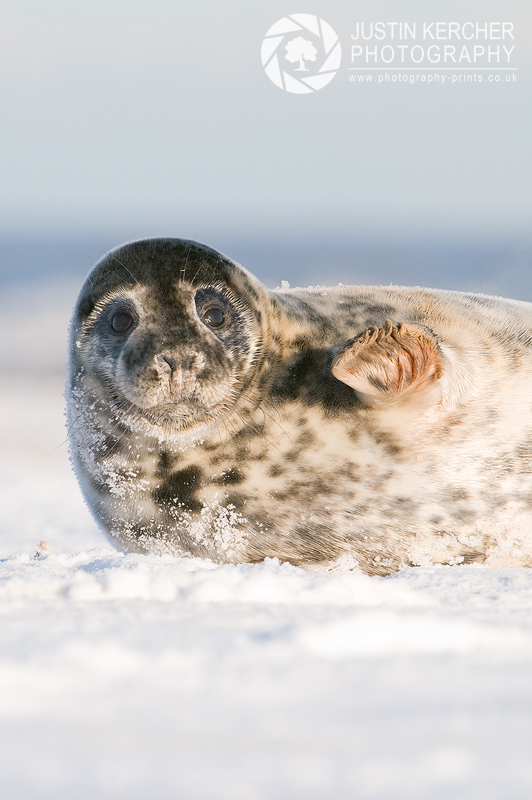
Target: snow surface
<point>126,676</point>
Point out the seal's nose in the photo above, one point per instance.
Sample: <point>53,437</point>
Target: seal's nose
<point>169,364</point>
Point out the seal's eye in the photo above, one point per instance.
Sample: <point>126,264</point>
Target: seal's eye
<point>121,322</point>
<point>214,317</point>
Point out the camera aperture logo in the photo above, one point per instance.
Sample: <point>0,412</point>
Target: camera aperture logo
<point>301,53</point>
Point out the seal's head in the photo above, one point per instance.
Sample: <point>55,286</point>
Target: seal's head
<point>168,334</point>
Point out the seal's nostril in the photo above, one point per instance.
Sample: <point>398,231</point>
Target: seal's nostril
<point>188,362</point>
<point>162,360</point>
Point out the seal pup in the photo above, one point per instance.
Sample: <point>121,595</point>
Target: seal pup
<point>377,427</point>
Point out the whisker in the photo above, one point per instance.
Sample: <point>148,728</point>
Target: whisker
<point>115,258</point>
<point>70,429</point>
<point>108,452</point>
<point>261,434</point>
<point>278,424</point>
<point>195,274</point>
<point>126,269</point>
<point>183,270</point>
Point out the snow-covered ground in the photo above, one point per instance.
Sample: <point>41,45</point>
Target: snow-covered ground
<point>147,677</point>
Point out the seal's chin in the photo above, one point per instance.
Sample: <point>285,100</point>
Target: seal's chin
<point>177,415</point>
<point>181,423</point>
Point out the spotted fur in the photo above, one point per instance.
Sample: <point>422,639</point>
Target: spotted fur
<point>378,426</point>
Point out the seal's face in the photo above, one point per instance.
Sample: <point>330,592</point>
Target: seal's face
<point>170,354</point>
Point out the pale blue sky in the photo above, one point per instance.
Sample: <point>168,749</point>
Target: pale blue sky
<point>156,116</point>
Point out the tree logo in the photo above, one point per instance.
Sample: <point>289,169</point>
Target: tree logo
<point>301,53</point>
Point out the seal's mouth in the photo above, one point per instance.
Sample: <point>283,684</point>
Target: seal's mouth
<point>171,417</point>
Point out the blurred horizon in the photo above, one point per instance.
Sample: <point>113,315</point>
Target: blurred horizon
<point>497,266</point>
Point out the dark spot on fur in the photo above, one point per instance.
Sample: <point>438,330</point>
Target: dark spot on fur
<point>387,442</point>
<point>261,522</point>
<point>250,432</point>
<point>405,504</point>
<point>181,487</point>
<point>251,291</point>
<point>230,476</point>
<point>375,314</point>
<point>453,422</point>
<point>354,434</point>
<point>293,454</point>
<point>306,490</point>
<point>523,452</point>
<point>307,377</point>
<point>473,557</point>
<point>210,446</point>
<point>305,438</point>
<point>110,444</point>
<point>219,458</point>
<point>456,494</point>
<point>237,499</point>
<point>275,470</point>
<point>166,462</point>
<point>463,515</point>
<point>127,474</point>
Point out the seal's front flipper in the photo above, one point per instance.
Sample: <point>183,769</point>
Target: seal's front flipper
<point>397,362</point>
